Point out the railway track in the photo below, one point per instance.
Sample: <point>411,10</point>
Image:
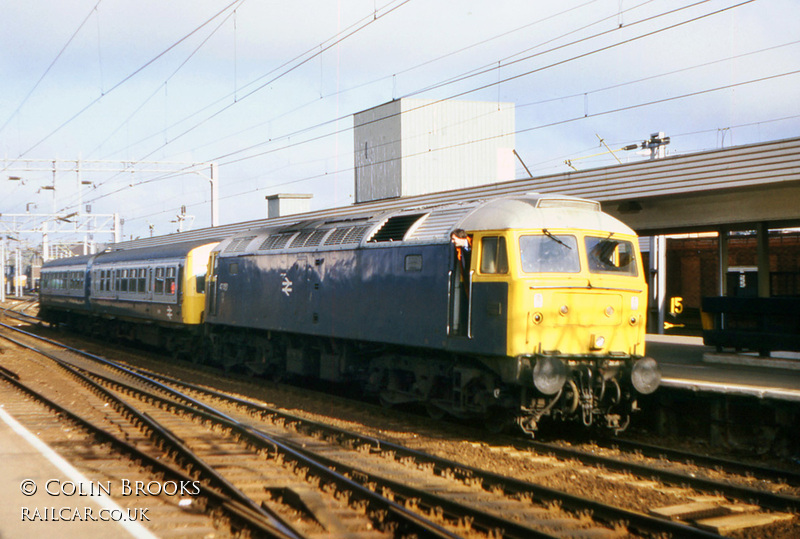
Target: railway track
<point>476,499</point>
<point>707,508</point>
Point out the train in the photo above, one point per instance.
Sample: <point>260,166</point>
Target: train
<point>541,315</point>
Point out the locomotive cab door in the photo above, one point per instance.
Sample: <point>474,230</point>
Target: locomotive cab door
<point>485,307</point>
<point>211,284</point>
<point>459,288</point>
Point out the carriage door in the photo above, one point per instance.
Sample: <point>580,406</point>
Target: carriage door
<point>211,284</point>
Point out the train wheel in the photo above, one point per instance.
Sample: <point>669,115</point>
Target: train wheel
<point>435,412</point>
<point>385,402</point>
<point>498,421</point>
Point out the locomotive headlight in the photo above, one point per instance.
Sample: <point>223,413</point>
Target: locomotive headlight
<point>549,375</point>
<point>609,311</point>
<point>597,342</point>
<point>645,375</point>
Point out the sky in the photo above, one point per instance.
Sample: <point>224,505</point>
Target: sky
<point>267,90</point>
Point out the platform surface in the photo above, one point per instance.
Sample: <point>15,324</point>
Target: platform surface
<point>686,363</point>
<point>28,464</point>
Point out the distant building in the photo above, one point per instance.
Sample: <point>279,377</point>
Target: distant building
<point>412,146</point>
<point>287,204</point>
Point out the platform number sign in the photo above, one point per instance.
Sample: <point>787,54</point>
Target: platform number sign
<point>675,305</point>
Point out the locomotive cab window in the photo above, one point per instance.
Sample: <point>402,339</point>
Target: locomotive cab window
<point>549,253</point>
<point>494,255</point>
<point>608,255</point>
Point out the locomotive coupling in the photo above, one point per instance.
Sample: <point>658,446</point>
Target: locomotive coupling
<point>645,375</point>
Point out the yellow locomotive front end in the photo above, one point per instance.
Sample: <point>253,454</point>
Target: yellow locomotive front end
<point>577,303</point>
<point>577,293</point>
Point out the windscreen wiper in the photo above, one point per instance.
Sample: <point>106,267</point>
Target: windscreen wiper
<point>550,235</point>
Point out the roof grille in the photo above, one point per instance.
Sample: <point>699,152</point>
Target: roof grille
<point>301,238</point>
<point>337,238</point>
<point>277,241</point>
<point>352,234</point>
<point>395,228</point>
<point>356,234</point>
<point>238,245</point>
<point>316,238</point>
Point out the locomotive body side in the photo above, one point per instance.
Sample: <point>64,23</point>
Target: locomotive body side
<point>395,295</point>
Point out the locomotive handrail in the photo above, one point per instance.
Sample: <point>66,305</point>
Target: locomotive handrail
<point>469,306</point>
<point>449,298</point>
<point>556,287</point>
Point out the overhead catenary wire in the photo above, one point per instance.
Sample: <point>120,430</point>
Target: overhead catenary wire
<point>280,75</point>
<point>125,80</point>
<point>343,117</point>
<point>49,67</point>
<point>290,66</point>
<point>221,158</point>
<point>307,129</point>
<point>335,120</point>
<point>529,129</point>
<point>231,161</point>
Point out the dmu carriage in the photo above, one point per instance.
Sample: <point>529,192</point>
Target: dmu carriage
<point>154,296</point>
<point>543,317</point>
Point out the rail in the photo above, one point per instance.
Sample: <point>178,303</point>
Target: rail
<point>764,325</point>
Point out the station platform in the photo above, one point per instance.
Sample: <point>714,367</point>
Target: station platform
<point>27,466</point>
<point>686,363</point>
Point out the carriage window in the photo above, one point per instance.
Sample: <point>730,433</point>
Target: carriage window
<point>159,283</point>
<point>123,281</point>
<point>494,256</point>
<point>549,254</point>
<point>142,281</point>
<point>170,281</point>
<point>607,255</point>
